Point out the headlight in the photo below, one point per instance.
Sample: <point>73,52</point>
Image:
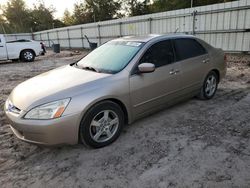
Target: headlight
<point>48,111</point>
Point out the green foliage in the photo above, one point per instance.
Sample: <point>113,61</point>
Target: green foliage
<point>17,15</point>
<point>209,2</point>
<point>135,7</point>
<point>68,18</point>
<point>93,11</point>
<point>102,9</point>
<point>4,28</point>
<point>17,18</point>
<point>41,17</point>
<point>80,15</point>
<point>166,5</point>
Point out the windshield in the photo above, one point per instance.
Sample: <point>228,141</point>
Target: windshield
<point>111,57</point>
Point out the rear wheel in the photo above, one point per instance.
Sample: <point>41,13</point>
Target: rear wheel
<point>27,56</point>
<point>102,124</point>
<point>209,87</point>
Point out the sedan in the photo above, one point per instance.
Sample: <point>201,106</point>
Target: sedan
<point>125,79</point>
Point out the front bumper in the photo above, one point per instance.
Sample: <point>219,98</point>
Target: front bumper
<point>63,130</point>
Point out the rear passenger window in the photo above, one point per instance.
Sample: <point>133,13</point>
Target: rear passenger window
<point>159,54</point>
<point>187,48</point>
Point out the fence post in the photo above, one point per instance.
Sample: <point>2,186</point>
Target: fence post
<point>99,34</point>
<point>40,36</point>
<point>150,25</point>
<point>194,19</point>
<point>48,38</point>
<point>68,38</point>
<point>120,29</point>
<point>57,37</point>
<point>82,37</point>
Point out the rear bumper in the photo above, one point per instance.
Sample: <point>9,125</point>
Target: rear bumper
<point>63,130</point>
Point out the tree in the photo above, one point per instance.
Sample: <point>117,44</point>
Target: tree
<point>80,15</point>
<point>58,23</point>
<point>208,2</point>
<point>17,15</point>
<point>92,11</point>
<point>166,5</point>
<point>102,9</point>
<point>68,19</point>
<point>3,24</point>
<point>135,7</point>
<point>42,17</point>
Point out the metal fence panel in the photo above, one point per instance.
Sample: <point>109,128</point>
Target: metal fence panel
<point>12,37</point>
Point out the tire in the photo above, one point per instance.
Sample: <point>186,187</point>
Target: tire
<point>101,125</point>
<point>208,91</point>
<point>27,56</point>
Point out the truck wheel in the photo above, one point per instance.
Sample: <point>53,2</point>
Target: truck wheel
<point>27,56</point>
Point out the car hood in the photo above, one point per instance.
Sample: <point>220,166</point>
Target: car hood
<point>56,84</point>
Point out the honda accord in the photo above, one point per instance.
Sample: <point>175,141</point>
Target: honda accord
<point>90,101</point>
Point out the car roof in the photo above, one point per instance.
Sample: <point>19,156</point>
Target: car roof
<point>146,38</point>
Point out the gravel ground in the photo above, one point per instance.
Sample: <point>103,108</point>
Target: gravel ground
<point>193,144</point>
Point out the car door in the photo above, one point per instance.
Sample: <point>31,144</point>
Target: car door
<point>148,91</point>
<point>194,63</point>
<point>3,54</point>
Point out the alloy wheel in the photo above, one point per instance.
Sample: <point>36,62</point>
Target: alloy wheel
<point>104,126</point>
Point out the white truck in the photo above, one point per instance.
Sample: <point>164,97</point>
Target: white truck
<point>24,50</point>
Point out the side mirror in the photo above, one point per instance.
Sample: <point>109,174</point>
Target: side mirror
<point>146,67</point>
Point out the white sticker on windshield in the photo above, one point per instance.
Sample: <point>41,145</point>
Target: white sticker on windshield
<point>136,44</point>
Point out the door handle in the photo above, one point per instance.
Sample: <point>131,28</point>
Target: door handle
<point>1,46</point>
<point>205,61</point>
<point>174,71</point>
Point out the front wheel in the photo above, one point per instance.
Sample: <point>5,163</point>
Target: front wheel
<point>102,124</point>
<point>209,87</point>
<point>27,56</point>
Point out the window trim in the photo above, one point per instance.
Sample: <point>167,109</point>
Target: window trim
<point>206,52</point>
<point>133,70</point>
<point>194,39</point>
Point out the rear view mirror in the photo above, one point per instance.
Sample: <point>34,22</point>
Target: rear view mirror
<point>146,67</point>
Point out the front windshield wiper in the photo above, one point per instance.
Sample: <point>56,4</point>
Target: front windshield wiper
<point>90,68</point>
<point>85,67</point>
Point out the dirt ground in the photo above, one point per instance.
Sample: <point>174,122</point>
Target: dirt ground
<point>193,144</point>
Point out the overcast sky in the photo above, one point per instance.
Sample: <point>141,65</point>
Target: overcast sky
<point>59,5</point>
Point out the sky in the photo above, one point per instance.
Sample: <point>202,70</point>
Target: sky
<point>59,5</point>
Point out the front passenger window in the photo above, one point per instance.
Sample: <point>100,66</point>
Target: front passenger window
<point>159,54</point>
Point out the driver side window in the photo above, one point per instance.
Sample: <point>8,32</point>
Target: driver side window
<point>159,54</point>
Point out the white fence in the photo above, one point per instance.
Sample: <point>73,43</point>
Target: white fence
<point>224,25</point>
<point>12,37</point>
